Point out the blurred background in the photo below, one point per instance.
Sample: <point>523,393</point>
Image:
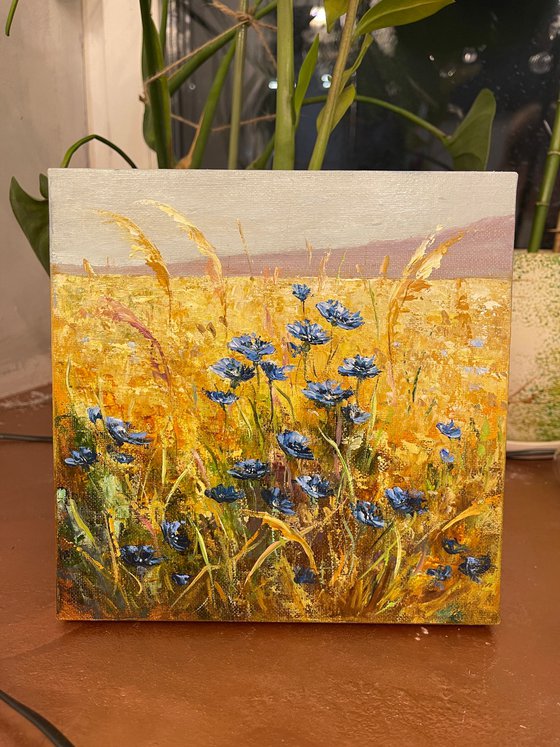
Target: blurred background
<point>81,74</point>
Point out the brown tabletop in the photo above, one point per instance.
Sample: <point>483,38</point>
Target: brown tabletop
<point>152,684</point>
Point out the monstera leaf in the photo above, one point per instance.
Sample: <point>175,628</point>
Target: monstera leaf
<point>397,13</point>
<point>470,143</point>
<point>33,217</point>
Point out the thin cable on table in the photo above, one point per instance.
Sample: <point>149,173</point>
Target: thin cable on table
<point>54,735</point>
<point>25,437</point>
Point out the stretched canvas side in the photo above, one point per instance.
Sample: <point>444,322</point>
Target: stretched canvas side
<point>280,396</point>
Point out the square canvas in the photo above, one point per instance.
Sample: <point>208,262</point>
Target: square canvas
<point>280,396</point>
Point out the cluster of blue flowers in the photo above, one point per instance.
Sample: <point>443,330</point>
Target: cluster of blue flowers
<point>120,432</point>
<point>472,566</point>
<point>144,557</point>
<point>453,433</point>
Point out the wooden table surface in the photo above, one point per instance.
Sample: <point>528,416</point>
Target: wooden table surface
<point>167,684</point>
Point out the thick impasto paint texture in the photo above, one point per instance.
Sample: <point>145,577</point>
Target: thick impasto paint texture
<point>280,427</point>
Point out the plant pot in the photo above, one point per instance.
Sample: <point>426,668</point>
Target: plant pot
<point>534,386</point>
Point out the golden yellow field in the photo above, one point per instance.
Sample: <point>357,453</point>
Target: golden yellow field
<point>140,352</point>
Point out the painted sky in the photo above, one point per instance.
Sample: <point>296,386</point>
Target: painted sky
<point>279,211</point>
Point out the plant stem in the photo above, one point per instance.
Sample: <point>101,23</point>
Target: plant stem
<point>82,141</point>
<point>413,118</point>
<point>318,155</point>
<point>210,109</point>
<point>208,50</point>
<point>261,161</point>
<point>547,185</point>
<point>163,25</point>
<point>157,90</point>
<point>10,18</point>
<point>284,136</point>
<point>237,93</point>
<point>271,402</point>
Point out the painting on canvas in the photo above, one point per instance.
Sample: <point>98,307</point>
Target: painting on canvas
<point>280,396</point>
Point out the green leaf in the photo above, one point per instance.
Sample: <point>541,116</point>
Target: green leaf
<point>210,107</point>
<point>148,127</point>
<point>334,9</point>
<point>397,13</point>
<point>44,186</point>
<point>33,218</point>
<point>261,161</point>
<point>347,74</point>
<point>470,143</point>
<point>305,74</point>
<point>344,102</point>
<point>158,89</point>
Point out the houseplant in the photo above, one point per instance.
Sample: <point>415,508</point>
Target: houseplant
<point>534,401</point>
<point>468,145</point>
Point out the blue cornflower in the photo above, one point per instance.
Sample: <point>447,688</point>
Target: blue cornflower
<point>121,458</point>
<point>221,398</point>
<point>406,501</point>
<point>315,486</point>
<point>326,393</point>
<point>338,315</point>
<point>94,414</point>
<point>452,547</point>
<point>224,494</point>
<point>120,432</point>
<point>449,429</point>
<point>361,367</point>
<point>81,457</point>
<point>304,575</point>
<point>474,567</point>
<point>367,513</point>
<point>181,579</point>
<point>232,369</point>
<point>249,469</point>
<point>301,291</point>
<point>309,332</point>
<point>446,456</point>
<point>252,347</point>
<point>295,444</point>
<point>355,414</point>
<point>174,534</point>
<point>441,573</point>
<point>273,372</point>
<point>275,498</point>
<point>140,556</point>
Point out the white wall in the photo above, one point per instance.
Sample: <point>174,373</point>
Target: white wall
<point>113,81</point>
<point>50,99</point>
<point>42,113</point>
